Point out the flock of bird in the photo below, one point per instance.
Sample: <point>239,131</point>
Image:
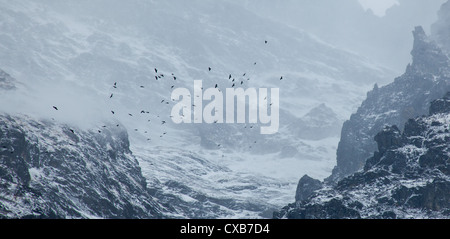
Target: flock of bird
<point>160,76</point>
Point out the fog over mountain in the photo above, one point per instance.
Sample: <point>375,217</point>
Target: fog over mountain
<point>346,24</point>
<point>90,65</point>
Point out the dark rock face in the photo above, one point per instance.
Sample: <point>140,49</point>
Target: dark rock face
<point>440,105</point>
<point>46,171</point>
<point>306,187</point>
<point>6,81</point>
<point>408,177</point>
<point>409,96</point>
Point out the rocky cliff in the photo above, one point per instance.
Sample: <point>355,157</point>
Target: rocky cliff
<point>48,170</point>
<point>409,96</point>
<point>408,177</point>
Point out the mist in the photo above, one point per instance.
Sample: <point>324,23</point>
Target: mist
<point>108,62</point>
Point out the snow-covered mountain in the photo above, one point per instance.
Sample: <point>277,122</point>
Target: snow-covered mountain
<point>408,177</point>
<point>70,54</point>
<point>426,79</point>
<point>48,170</point>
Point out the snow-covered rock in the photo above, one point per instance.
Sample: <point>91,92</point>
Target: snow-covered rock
<point>408,177</point>
<point>409,96</point>
<point>48,170</point>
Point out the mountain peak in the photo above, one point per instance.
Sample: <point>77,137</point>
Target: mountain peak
<point>427,56</point>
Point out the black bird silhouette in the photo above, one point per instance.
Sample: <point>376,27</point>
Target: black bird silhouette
<point>113,112</point>
<point>115,85</point>
<point>142,86</point>
<point>232,80</point>
<point>172,87</point>
<point>216,86</point>
<point>254,63</point>
<point>174,78</point>
<point>163,122</point>
<point>244,74</point>
<point>111,96</point>
<point>143,112</point>
<point>54,107</point>
<point>266,42</point>
<point>130,115</point>
<point>229,77</point>
<point>242,82</point>
<point>209,69</point>
<point>71,130</point>
<point>281,78</point>
<point>156,70</point>
<point>233,85</point>
<point>162,101</point>
<point>156,77</point>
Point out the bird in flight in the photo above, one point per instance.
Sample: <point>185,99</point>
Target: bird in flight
<point>209,69</point>
<point>54,107</point>
<point>266,42</point>
<point>111,96</point>
<point>156,70</point>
